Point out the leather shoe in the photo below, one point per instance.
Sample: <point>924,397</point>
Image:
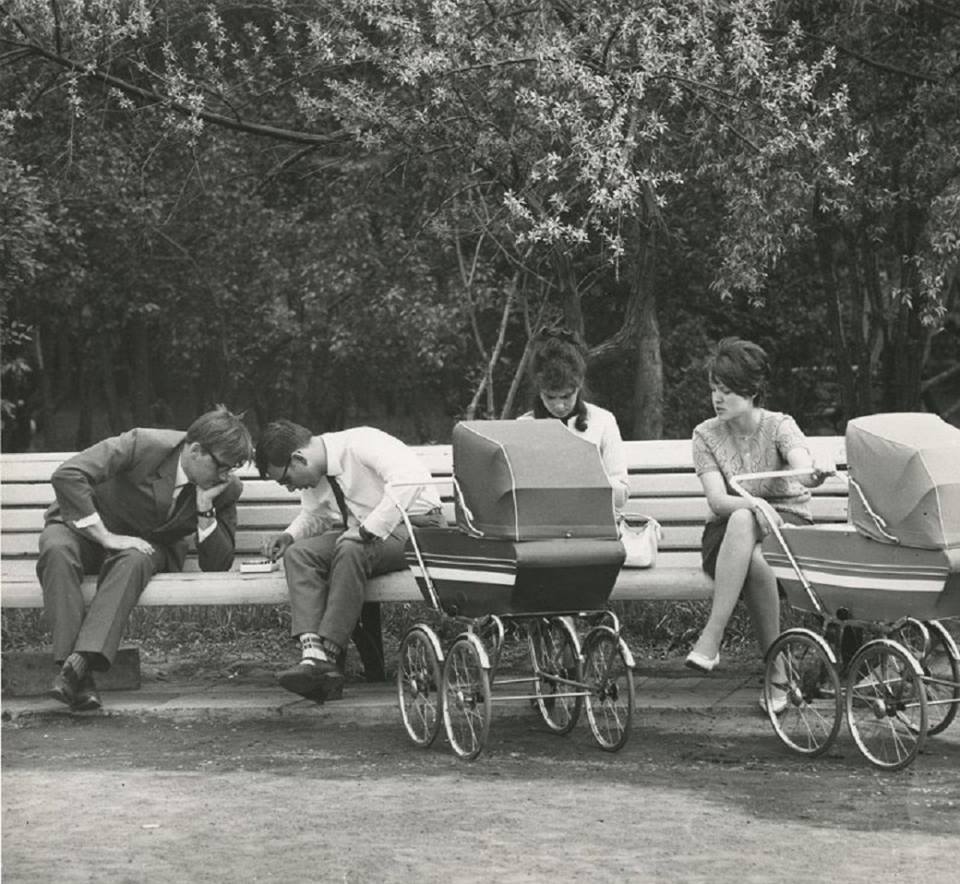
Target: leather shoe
<point>87,698</point>
<point>319,680</point>
<point>703,664</point>
<point>66,686</point>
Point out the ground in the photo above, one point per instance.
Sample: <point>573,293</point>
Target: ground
<point>690,798</point>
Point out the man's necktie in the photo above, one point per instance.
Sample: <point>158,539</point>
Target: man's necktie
<point>180,501</point>
<point>341,500</point>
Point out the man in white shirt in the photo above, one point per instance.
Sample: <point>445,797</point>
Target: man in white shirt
<point>124,509</point>
<point>349,529</point>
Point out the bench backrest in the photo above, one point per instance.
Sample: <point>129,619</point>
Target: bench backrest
<point>662,484</point>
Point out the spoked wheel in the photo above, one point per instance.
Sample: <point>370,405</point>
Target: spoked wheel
<point>608,678</point>
<point>418,685</point>
<point>935,649</point>
<point>802,671</point>
<point>555,655</point>
<point>466,697</point>
<point>886,704</point>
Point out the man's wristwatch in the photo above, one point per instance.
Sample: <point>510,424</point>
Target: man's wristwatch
<point>365,535</point>
<point>208,514</point>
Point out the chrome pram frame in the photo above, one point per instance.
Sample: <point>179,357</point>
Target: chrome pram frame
<point>456,686</point>
<point>894,690</point>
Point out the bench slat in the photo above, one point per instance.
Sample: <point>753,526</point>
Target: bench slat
<point>270,519</point>
<point>662,484</point>
<point>677,576</point>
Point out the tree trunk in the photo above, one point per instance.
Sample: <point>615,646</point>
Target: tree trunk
<point>648,378</point>
<point>141,389</point>
<point>109,385</point>
<point>826,264</point>
<point>87,383</point>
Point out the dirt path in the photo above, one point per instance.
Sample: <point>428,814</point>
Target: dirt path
<point>689,799</point>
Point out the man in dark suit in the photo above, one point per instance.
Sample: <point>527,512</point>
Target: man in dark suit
<point>124,509</point>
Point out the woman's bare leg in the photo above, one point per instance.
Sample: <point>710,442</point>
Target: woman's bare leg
<point>733,564</point>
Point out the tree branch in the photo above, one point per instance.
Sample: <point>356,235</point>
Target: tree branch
<point>237,125</point>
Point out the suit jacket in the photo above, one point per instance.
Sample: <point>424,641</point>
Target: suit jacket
<point>128,479</point>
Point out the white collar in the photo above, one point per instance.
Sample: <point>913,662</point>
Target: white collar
<point>181,479</point>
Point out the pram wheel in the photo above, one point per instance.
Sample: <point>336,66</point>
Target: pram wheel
<point>886,704</point>
<point>466,696</point>
<point>608,676</point>
<point>936,651</point>
<point>555,656</point>
<point>418,684</point>
<point>801,665</point>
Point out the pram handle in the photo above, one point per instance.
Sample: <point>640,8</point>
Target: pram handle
<point>774,528</point>
<point>388,489</point>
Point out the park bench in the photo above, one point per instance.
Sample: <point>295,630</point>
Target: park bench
<point>662,484</point>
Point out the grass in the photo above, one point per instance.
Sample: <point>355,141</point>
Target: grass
<point>229,641</point>
<point>231,638</point>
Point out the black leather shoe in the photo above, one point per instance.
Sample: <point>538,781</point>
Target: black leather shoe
<point>66,686</point>
<point>87,698</point>
<point>319,681</point>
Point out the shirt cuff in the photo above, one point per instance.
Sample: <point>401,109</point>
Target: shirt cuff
<point>204,533</point>
<point>87,521</point>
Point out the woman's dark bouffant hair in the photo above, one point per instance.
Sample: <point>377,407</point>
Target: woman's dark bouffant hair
<point>559,362</point>
<point>741,366</point>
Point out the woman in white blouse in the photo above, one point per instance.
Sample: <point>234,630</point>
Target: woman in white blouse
<point>558,369</point>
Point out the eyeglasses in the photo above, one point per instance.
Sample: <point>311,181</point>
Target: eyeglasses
<point>283,476</point>
<point>222,466</point>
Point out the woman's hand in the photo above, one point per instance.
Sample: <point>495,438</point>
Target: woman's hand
<point>765,516</point>
<point>823,467</point>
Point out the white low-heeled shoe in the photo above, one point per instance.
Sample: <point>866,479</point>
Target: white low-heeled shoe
<point>704,664</point>
<point>779,704</point>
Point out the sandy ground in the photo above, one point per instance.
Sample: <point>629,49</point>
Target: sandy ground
<point>690,798</point>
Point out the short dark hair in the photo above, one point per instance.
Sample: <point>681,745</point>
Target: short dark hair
<point>277,443</point>
<point>741,366</point>
<point>223,434</point>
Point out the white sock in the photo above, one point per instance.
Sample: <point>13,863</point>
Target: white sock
<point>311,649</point>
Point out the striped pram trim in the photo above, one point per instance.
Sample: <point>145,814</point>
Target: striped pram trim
<point>465,569</point>
<point>860,575</point>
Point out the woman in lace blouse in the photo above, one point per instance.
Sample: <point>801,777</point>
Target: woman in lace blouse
<point>744,437</point>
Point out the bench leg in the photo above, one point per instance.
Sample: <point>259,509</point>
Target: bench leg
<point>368,637</point>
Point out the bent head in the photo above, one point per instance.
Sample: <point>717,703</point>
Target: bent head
<point>558,369</point>
<point>217,444</point>
<point>285,453</point>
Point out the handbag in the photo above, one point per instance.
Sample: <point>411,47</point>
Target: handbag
<point>641,543</point>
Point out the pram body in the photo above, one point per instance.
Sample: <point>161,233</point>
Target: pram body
<point>892,572</point>
<point>536,549</point>
<point>859,578</point>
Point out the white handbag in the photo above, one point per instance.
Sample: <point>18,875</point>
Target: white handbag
<point>641,543</point>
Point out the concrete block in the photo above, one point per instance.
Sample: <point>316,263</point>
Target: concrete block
<point>30,673</point>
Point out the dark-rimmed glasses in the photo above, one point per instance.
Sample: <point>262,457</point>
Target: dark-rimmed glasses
<point>222,465</point>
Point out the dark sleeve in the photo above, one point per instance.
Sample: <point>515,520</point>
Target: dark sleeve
<point>215,553</point>
<point>74,480</point>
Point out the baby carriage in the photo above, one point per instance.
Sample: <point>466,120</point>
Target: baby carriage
<point>535,555</point>
<point>879,585</point>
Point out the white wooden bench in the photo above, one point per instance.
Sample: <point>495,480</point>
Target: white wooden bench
<point>662,484</point>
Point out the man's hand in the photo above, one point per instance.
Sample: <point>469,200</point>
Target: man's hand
<point>206,496</point>
<point>126,541</point>
<point>275,547</point>
<point>353,534</point>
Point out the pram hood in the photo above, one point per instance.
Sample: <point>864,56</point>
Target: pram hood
<point>907,466</point>
<point>530,480</point>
